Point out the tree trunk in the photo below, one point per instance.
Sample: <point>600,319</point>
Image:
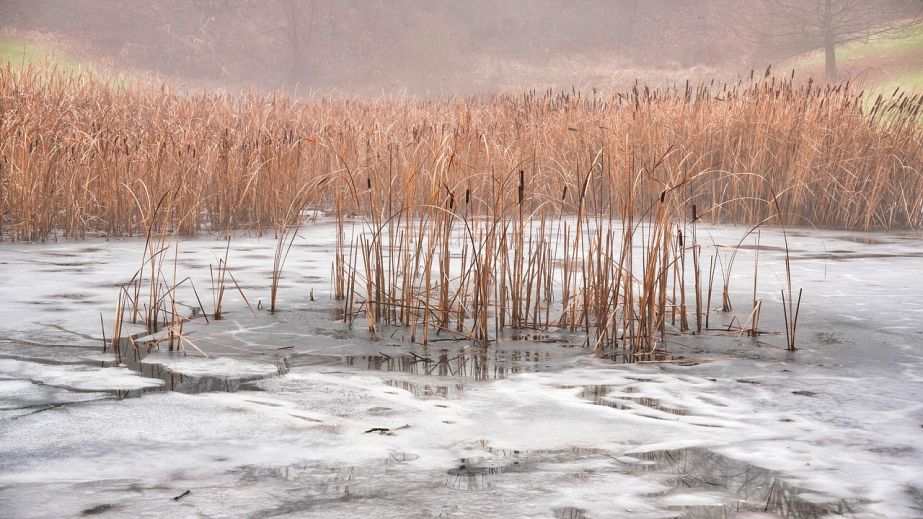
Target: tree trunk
<point>829,45</point>
<point>830,53</point>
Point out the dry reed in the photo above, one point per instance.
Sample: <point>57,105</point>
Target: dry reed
<point>77,150</point>
<point>477,214</point>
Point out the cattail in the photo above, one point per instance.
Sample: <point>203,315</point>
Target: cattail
<point>522,186</point>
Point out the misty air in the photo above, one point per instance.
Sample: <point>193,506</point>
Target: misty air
<point>577,259</point>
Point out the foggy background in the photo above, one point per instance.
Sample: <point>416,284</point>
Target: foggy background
<point>443,46</point>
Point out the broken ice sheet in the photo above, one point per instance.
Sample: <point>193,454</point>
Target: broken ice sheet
<point>76,376</point>
<point>838,421</point>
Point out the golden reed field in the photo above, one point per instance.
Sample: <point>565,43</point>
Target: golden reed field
<point>81,154</point>
<point>478,214</point>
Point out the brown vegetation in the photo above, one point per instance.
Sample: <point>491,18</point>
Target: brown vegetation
<point>80,154</point>
<point>477,214</point>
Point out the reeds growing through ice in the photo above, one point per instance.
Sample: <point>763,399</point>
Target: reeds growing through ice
<point>618,275</point>
<point>533,210</point>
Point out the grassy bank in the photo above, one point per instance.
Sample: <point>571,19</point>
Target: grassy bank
<point>20,50</point>
<point>880,63</point>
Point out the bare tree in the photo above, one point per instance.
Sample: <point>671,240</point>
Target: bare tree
<point>789,27</point>
<point>298,27</point>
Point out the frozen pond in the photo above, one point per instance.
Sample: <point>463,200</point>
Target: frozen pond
<point>295,414</point>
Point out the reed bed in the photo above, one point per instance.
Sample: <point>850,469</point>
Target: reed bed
<point>84,154</point>
<point>463,217</point>
<point>624,279</point>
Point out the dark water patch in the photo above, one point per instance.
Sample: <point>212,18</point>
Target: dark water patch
<point>98,509</point>
<point>829,338</point>
<point>900,450</point>
<point>627,356</point>
<point>380,411</point>
<point>134,354</point>
<point>473,363</point>
<point>710,401</point>
<point>550,455</point>
<point>48,306</point>
<point>569,512</point>
<point>476,472</point>
<point>602,395</point>
<point>322,486</point>
<point>424,390</point>
<point>194,384</point>
<point>402,457</point>
<point>751,488</point>
<point>471,478</point>
<point>306,418</point>
<point>636,464</point>
<point>916,497</point>
<point>865,240</point>
<point>260,402</point>
<point>60,254</point>
<point>315,359</point>
<point>75,298</point>
<point>708,425</point>
<point>69,264</point>
<point>655,403</point>
<point>65,269</point>
<point>537,337</point>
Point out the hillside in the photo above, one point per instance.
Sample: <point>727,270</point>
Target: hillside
<point>18,48</point>
<point>880,64</point>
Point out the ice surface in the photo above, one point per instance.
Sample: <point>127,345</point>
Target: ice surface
<point>27,396</point>
<point>333,424</point>
<point>76,377</point>
<point>224,367</point>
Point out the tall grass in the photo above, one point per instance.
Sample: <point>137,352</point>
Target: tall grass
<point>476,214</point>
<point>617,275</point>
<point>77,150</point>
